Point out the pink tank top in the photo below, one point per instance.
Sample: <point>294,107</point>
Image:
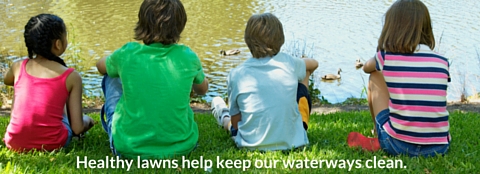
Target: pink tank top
<point>36,120</point>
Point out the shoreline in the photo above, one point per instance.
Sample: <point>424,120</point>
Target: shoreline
<point>320,109</point>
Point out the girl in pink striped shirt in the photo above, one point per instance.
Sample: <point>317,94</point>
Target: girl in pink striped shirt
<point>407,87</point>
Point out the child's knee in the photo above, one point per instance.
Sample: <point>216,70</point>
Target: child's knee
<point>376,80</point>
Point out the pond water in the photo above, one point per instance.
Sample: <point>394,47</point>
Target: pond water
<point>335,33</point>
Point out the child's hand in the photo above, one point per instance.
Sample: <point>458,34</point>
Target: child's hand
<point>87,123</point>
<point>193,94</point>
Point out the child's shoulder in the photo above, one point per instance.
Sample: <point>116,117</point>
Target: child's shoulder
<point>283,55</point>
<point>180,50</point>
<point>186,49</point>
<point>287,59</point>
<point>18,63</point>
<point>131,45</point>
<point>280,59</point>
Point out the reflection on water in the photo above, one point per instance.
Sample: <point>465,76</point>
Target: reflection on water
<point>338,32</point>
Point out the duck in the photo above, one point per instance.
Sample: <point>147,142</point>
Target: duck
<point>332,76</point>
<point>229,52</point>
<point>358,64</point>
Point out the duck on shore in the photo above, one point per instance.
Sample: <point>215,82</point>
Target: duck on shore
<point>332,76</point>
<point>229,52</point>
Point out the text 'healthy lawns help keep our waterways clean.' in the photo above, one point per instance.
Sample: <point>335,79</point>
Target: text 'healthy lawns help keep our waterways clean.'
<point>110,162</point>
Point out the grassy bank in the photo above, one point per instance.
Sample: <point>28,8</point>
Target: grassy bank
<point>327,135</point>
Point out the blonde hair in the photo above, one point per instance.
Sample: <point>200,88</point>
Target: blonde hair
<point>264,35</point>
<point>407,24</point>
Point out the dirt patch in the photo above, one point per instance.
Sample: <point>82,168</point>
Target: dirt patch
<point>324,109</point>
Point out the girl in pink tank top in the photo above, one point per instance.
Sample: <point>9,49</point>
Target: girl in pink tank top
<point>47,109</point>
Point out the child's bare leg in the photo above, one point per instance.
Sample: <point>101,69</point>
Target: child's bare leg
<point>378,96</point>
<point>370,104</point>
<point>370,107</point>
<point>306,80</point>
<point>227,123</point>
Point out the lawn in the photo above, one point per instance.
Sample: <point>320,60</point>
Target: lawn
<point>327,135</point>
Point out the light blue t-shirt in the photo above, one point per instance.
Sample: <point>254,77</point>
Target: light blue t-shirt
<point>264,91</point>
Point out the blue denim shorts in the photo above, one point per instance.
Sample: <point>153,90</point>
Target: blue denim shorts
<point>397,147</point>
<point>112,90</point>
<point>70,131</point>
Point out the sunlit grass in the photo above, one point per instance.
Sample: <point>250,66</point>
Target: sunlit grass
<point>327,135</point>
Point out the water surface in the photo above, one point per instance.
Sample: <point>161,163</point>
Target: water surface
<point>335,33</point>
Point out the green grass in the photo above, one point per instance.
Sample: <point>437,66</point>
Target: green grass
<point>327,135</point>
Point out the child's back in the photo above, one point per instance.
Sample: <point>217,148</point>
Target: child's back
<point>154,112</point>
<point>265,91</point>
<point>268,93</point>
<point>407,86</point>
<point>417,84</point>
<point>153,118</point>
<point>40,97</point>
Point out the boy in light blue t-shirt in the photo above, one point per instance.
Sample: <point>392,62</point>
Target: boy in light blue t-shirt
<point>268,94</point>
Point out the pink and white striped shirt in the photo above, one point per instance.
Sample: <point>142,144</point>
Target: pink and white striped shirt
<point>417,84</point>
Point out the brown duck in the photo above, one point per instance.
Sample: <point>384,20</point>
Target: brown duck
<point>229,52</point>
<point>332,76</point>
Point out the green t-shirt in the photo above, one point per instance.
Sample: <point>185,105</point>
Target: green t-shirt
<point>153,118</point>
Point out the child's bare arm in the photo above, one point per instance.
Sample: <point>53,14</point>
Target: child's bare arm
<point>311,64</point>
<point>235,119</point>
<point>101,67</point>
<point>370,65</point>
<point>9,78</point>
<point>201,89</point>
<point>74,105</point>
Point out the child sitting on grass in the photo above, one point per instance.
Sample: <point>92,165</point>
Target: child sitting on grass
<point>408,86</point>
<point>147,87</point>
<point>43,86</point>
<point>268,93</point>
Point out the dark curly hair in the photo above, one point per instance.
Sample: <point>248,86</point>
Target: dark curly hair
<point>160,21</point>
<point>40,33</point>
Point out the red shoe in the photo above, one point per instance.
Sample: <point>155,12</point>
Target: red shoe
<point>356,139</point>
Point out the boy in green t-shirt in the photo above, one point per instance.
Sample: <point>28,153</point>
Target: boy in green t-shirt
<point>152,118</point>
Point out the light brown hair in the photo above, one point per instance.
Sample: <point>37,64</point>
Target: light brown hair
<point>264,35</point>
<point>160,21</point>
<point>407,24</point>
